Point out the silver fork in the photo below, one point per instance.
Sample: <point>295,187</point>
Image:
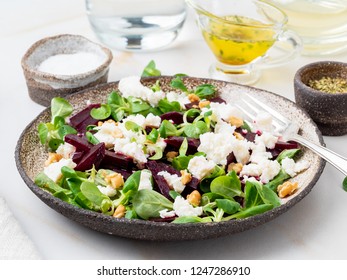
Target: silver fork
<point>251,107</point>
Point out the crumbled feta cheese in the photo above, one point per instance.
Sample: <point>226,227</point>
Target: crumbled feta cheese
<point>266,170</point>
<point>270,168</point>
<point>241,150</point>
<point>108,190</point>
<point>161,144</point>
<point>301,166</point>
<point>200,167</point>
<point>267,138</point>
<point>263,122</point>
<point>132,149</point>
<point>251,169</point>
<point>154,97</point>
<point>167,214</point>
<point>181,98</point>
<point>210,141</point>
<point>173,180</point>
<point>249,179</point>
<point>152,120</point>
<point>224,111</point>
<point>134,143</point>
<point>145,180</point>
<point>108,132</point>
<point>259,153</point>
<point>183,208</point>
<point>292,168</point>
<point>53,171</point>
<point>131,135</point>
<point>66,150</point>
<point>224,128</point>
<point>138,119</point>
<point>131,86</point>
<point>288,165</point>
<point>226,143</point>
<point>149,120</point>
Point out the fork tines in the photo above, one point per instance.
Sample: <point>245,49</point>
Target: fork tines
<point>251,107</point>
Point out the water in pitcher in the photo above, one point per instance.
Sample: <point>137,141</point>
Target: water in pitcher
<point>136,24</point>
<point>322,24</point>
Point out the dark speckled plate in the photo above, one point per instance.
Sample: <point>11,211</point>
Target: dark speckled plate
<point>30,157</point>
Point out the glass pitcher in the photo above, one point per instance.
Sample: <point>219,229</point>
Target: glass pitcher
<point>322,24</point>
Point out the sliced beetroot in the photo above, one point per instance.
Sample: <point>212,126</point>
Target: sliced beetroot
<point>192,105</point>
<point>161,185</point>
<point>82,119</point>
<point>217,99</point>
<point>77,156</point>
<point>239,199</point>
<point>114,160</point>
<point>230,159</point>
<point>280,145</point>
<point>93,157</point>
<point>191,186</point>
<point>148,129</point>
<point>176,117</point>
<point>175,142</point>
<point>79,142</point>
<point>82,128</point>
<point>159,181</point>
<point>157,166</point>
<point>78,118</point>
<point>274,153</point>
<point>125,173</point>
<point>249,136</point>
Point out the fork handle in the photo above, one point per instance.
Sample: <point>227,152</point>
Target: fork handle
<point>333,158</point>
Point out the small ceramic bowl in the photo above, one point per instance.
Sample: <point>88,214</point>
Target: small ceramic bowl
<point>45,84</point>
<point>328,110</point>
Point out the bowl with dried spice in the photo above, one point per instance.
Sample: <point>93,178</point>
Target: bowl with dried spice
<point>60,65</point>
<point>321,89</point>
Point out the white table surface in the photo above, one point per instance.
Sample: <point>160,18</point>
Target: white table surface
<point>314,229</point>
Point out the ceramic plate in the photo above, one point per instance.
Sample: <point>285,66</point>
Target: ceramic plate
<point>30,156</point>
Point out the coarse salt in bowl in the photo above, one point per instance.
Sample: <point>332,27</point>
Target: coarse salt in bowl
<point>64,64</point>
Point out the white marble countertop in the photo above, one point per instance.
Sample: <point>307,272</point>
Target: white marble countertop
<point>314,229</point>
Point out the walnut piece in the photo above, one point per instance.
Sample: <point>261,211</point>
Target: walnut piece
<point>119,212</point>
<point>238,136</point>
<point>53,157</point>
<point>204,103</point>
<point>194,198</point>
<point>186,177</point>
<point>237,167</point>
<point>193,97</point>
<point>171,155</point>
<point>238,122</point>
<point>287,188</point>
<point>115,180</point>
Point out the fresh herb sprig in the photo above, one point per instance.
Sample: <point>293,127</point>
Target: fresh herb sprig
<point>52,133</point>
<point>150,70</point>
<point>203,91</point>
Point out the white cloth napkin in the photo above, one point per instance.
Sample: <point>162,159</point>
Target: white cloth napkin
<point>14,242</point>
